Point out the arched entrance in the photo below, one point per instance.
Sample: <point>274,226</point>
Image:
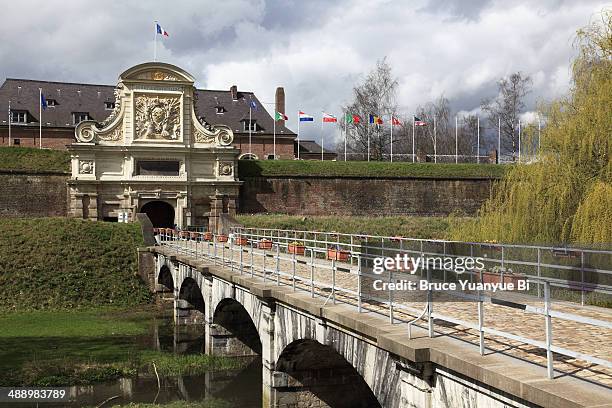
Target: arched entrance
<point>160,213</point>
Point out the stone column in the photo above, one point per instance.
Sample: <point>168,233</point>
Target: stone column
<point>207,292</point>
<point>231,206</point>
<point>266,333</point>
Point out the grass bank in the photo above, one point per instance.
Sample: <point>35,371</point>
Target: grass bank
<point>264,168</point>
<point>60,263</point>
<point>87,347</point>
<point>27,158</point>
<point>207,403</point>
<point>413,227</point>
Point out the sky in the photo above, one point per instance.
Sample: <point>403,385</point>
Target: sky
<point>317,50</point>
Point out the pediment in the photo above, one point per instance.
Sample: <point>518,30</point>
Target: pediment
<point>156,71</point>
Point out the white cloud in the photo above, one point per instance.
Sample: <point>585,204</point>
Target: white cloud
<point>316,50</point>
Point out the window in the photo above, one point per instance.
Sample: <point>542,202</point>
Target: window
<point>271,157</point>
<point>246,125</point>
<point>19,116</point>
<point>248,156</point>
<point>109,105</point>
<point>157,168</point>
<point>16,142</point>
<point>52,103</point>
<point>78,117</point>
<point>220,110</point>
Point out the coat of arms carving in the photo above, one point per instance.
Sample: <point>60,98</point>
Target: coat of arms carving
<point>158,117</point>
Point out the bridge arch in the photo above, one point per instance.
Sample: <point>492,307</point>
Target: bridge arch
<point>165,278</point>
<point>318,374</point>
<point>236,325</point>
<point>191,294</point>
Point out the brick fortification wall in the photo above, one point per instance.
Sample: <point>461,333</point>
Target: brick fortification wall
<point>25,194</point>
<point>363,196</point>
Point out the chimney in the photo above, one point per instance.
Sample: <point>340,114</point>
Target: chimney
<point>280,100</point>
<point>234,92</point>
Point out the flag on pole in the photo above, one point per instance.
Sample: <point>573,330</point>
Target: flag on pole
<point>377,120</point>
<point>161,31</point>
<point>43,101</point>
<point>329,118</point>
<point>305,118</point>
<point>419,122</point>
<point>350,118</point>
<point>280,116</point>
<point>252,104</point>
<point>395,121</point>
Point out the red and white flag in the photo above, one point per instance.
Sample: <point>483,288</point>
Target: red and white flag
<point>329,118</point>
<point>395,121</point>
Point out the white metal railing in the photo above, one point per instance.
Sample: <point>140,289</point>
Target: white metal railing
<point>539,264</point>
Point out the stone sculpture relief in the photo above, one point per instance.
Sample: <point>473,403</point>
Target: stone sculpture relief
<point>157,117</point>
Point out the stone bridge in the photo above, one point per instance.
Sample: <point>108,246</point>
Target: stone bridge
<point>318,354</point>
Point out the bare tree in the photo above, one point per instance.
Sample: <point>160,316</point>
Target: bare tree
<point>376,95</point>
<point>506,107</point>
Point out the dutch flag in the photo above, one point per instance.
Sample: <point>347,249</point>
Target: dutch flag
<point>161,31</point>
<point>305,118</point>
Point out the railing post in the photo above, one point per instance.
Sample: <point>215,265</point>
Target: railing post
<point>539,273</point>
<point>481,323</point>
<point>430,319</point>
<point>251,256</point>
<point>582,278</point>
<point>549,333</point>
<point>231,248</point>
<point>390,297</point>
<point>241,263</point>
<point>214,249</point>
<point>294,262</point>
<point>359,282</point>
<point>334,279</point>
<point>278,263</point>
<point>312,251</point>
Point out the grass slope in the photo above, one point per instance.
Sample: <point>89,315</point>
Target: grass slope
<point>57,263</point>
<point>27,158</point>
<point>413,227</point>
<point>263,168</point>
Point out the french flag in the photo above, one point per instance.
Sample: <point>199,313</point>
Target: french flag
<point>161,31</point>
<point>305,118</point>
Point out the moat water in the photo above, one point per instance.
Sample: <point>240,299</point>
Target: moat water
<point>214,388</point>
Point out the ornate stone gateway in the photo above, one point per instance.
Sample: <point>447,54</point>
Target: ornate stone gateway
<point>152,153</point>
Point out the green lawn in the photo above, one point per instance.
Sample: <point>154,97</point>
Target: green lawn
<point>263,168</point>
<point>413,227</point>
<point>27,158</point>
<point>60,263</point>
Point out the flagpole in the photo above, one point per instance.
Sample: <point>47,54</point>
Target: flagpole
<point>298,136</point>
<point>9,120</point>
<point>391,138</point>
<point>413,158</point>
<point>435,148</point>
<point>250,129</point>
<point>345,129</point>
<point>40,118</point>
<point>368,133</point>
<point>539,130</point>
<point>155,43</point>
<point>321,136</point>
<point>456,139</point>
<point>498,140</point>
<point>519,141</point>
<point>274,137</point>
<point>478,142</point>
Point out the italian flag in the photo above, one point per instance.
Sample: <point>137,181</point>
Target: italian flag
<point>280,116</point>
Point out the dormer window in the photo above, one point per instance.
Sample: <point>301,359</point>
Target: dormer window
<point>245,124</point>
<point>19,116</point>
<point>109,105</point>
<point>78,117</point>
<point>51,103</point>
<point>220,110</point>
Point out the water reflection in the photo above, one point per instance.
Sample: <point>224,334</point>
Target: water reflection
<point>239,388</point>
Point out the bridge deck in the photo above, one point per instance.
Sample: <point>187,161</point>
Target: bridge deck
<point>587,339</point>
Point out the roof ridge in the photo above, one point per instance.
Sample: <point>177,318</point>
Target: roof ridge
<point>55,82</point>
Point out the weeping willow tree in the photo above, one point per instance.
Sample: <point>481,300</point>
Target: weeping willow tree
<point>565,197</point>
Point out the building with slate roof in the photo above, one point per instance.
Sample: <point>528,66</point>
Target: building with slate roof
<point>71,103</point>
